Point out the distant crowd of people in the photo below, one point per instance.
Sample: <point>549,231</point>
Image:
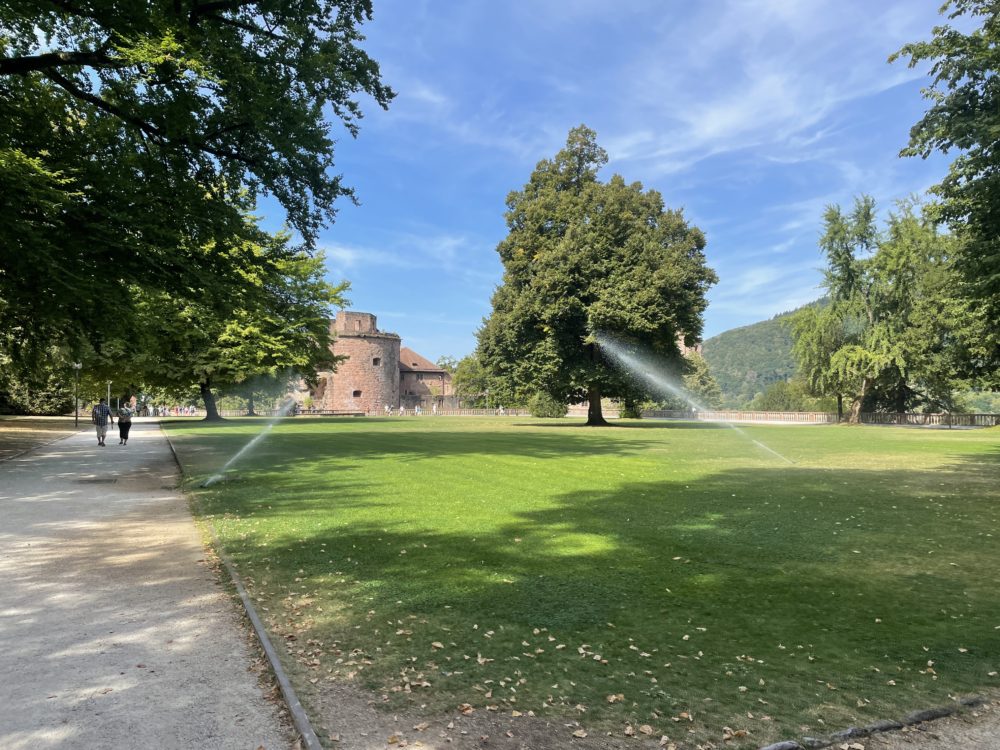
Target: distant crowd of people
<point>170,411</point>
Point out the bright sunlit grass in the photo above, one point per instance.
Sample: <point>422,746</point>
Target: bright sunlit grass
<point>676,564</point>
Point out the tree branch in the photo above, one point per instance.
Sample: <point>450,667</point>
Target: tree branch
<point>146,127</point>
<point>50,60</point>
<point>216,6</point>
<point>249,28</point>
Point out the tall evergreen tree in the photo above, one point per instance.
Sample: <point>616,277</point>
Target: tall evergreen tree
<point>582,256</point>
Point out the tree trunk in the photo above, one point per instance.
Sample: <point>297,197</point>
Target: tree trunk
<point>250,410</point>
<point>594,416</point>
<point>211,411</point>
<point>858,400</point>
<point>840,407</point>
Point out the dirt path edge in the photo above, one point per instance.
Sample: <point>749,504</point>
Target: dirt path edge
<point>298,714</point>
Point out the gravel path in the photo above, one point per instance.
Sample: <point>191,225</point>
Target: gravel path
<point>114,632</point>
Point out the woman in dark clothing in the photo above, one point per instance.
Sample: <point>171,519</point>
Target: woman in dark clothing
<point>124,424</point>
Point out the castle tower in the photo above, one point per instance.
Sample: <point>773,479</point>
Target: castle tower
<point>369,378</point>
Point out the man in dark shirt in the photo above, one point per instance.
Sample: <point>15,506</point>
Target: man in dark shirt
<point>101,417</point>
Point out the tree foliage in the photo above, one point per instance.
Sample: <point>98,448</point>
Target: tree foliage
<point>582,256</point>
<point>275,328</point>
<point>964,116</point>
<point>447,363</point>
<point>699,381</point>
<point>887,340</point>
<point>470,381</point>
<point>136,135</point>
<point>790,395</point>
<point>544,406</point>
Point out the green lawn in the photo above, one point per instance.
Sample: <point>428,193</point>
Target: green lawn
<point>544,566</point>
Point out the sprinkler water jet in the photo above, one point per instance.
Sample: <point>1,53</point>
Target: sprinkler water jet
<point>629,358</point>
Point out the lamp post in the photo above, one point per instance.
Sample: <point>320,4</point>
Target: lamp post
<point>76,395</point>
<point>109,394</point>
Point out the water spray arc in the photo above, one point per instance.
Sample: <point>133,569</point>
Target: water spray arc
<point>645,366</point>
<point>284,411</point>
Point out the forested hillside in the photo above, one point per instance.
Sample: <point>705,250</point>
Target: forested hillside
<point>745,361</point>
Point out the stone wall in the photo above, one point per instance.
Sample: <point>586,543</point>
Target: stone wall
<point>354,323</point>
<point>369,378</point>
<point>424,384</point>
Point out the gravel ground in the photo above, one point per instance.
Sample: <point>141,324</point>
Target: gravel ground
<point>114,631</point>
<point>977,729</point>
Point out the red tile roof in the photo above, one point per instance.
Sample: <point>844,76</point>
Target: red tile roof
<point>410,361</point>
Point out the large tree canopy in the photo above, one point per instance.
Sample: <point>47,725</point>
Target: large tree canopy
<point>232,92</point>
<point>582,257</point>
<point>135,135</point>
<point>965,116</point>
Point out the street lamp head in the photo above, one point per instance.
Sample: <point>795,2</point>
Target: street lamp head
<point>77,365</point>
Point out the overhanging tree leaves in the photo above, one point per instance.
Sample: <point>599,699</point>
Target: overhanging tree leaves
<point>965,116</point>
<point>135,135</point>
<point>581,257</point>
<point>233,93</point>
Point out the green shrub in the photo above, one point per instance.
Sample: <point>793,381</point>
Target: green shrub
<point>630,410</point>
<point>543,405</point>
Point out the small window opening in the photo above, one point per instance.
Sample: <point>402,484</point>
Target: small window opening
<point>376,361</point>
<point>357,394</point>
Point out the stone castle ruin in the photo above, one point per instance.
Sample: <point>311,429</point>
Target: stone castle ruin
<point>377,371</point>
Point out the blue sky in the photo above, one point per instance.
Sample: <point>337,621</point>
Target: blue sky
<point>751,115</point>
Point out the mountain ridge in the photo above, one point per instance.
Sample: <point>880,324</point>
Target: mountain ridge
<point>744,361</point>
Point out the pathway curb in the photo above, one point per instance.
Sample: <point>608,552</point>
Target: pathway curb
<point>299,717</point>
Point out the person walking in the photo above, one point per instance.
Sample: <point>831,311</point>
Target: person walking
<point>125,415</point>
<point>101,417</point>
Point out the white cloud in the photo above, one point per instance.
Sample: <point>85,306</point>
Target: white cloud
<point>454,255</point>
<point>754,74</point>
<point>349,257</point>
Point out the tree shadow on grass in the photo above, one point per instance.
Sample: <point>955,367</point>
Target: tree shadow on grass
<point>829,579</point>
